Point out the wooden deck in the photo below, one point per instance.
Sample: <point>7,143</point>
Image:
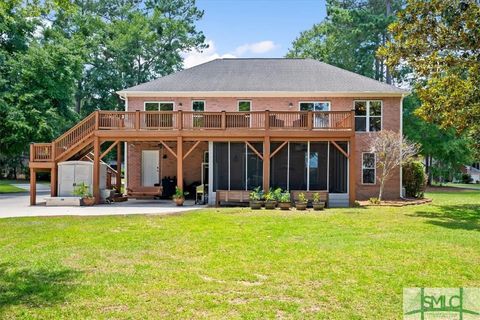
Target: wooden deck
<point>119,126</point>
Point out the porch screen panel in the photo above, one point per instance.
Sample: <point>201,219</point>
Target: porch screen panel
<point>220,166</point>
<point>237,166</point>
<point>338,168</point>
<point>254,167</point>
<point>298,166</point>
<point>278,166</point>
<point>318,165</point>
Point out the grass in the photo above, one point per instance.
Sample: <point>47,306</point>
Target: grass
<point>7,187</point>
<point>234,263</point>
<point>463,185</point>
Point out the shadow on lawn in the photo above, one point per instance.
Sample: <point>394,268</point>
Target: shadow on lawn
<point>465,216</point>
<point>35,288</point>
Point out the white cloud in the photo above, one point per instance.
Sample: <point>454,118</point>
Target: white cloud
<point>256,48</point>
<point>195,57</point>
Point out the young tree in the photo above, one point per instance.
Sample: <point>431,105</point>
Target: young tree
<point>440,41</point>
<point>390,149</point>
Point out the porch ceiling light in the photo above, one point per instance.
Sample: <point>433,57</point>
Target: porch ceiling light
<point>290,105</point>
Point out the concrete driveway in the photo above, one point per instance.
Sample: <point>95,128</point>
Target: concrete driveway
<point>18,205</point>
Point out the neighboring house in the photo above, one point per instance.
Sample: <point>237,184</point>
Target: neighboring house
<point>474,172</point>
<point>234,124</point>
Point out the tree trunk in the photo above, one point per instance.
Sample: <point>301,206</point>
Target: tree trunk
<point>380,194</point>
<point>78,97</point>
<point>428,167</point>
<point>388,11</point>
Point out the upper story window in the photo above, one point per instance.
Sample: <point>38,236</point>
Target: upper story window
<point>159,106</point>
<point>368,168</point>
<point>244,105</point>
<point>315,106</point>
<point>368,115</point>
<point>198,105</point>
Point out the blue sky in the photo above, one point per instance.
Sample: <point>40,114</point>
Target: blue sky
<point>253,28</point>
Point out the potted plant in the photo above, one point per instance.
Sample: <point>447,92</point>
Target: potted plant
<point>256,199</point>
<point>83,191</point>
<point>271,198</point>
<point>284,201</point>
<point>301,203</point>
<point>317,204</point>
<point>179,196</point>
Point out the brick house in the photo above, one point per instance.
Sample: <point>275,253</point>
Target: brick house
<point>235,124</point>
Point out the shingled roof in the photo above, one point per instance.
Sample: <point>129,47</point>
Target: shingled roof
<point>264,75</point>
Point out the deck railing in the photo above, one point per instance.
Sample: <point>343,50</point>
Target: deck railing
<point>192,120</point>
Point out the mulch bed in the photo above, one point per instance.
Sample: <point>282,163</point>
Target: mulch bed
<point>396,203</point>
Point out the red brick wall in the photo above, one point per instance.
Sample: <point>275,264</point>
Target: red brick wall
<point>390,121</point>
<point>168,164</point>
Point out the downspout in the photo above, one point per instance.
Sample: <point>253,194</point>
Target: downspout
<point>125,145</point>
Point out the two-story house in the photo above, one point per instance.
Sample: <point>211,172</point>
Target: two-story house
<point>235,124</point>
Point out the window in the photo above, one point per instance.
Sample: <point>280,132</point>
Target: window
<point>198,105</point>
<point>244,105</point>
<point>315,106</point>
<point>156,120</point>
<point>159,106</point>
<point>368,168</point>
<point>368,116</point>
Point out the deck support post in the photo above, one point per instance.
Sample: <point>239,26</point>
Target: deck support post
<point>180,162</point>
<point>352,171</point>
<point>53,180</point>
<point>118,178</point>
<point>266,163</point>
<point>96,169</point>
<point>33,187</point>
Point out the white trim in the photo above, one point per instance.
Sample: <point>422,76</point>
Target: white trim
<point>308,165</point>
<point>401,136</point>
<point>367,114</point>
<point>348,168</point>
<point>374,169</point>
<point>204,104</point>
<point>328,167</point>
<point>244,100</point>
<point>288,166</point>
<point>250,94</point>
<point>318,101</point>
<point>156,101</point>
<point>229,165</point>
<point>125,154</point>
<point>246,166</point>
<point>211,196</point>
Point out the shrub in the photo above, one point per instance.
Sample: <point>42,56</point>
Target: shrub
<point>285,197</point>
<point>302,198</point>
<point>466,178</point>
<point>256,194</point>
<point>414,179</point>
<point>82,190</point>
<point>374,200</point>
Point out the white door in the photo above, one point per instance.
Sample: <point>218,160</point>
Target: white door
<point>150,163</point>
<point>66,180</point>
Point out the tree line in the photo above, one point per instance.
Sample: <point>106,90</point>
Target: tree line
<point>431,47</point>
<point>62,59</point>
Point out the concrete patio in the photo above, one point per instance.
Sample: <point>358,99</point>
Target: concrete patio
<point>18,205</point>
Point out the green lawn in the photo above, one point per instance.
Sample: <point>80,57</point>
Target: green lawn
<point>7,187</point>
<point>463,185</point>
<point>234,263</point>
